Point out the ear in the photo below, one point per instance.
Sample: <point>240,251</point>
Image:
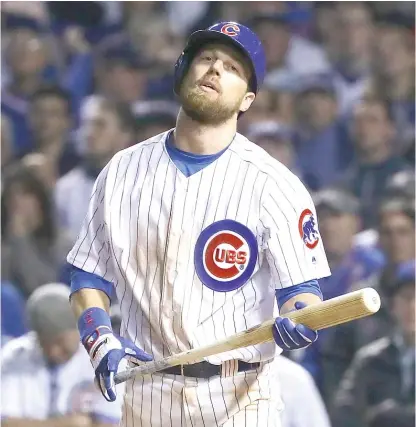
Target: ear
<point>247,101</point>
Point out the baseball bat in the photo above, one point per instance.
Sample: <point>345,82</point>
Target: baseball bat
<point>332,312</point>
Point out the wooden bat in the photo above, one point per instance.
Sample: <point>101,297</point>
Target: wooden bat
<point>332,312</point>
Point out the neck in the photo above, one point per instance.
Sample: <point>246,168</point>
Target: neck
<point>373,157</point>
<point>197,138</point>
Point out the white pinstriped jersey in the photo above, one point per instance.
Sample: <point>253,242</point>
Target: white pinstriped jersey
<point>195,259</point>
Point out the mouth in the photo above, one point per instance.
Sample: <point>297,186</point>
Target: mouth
<point>209,87</point>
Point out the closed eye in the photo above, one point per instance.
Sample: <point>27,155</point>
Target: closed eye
<point>234,69</point>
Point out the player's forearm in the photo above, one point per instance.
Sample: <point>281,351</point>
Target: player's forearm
<point>87,298</point>
<point>307,298</point>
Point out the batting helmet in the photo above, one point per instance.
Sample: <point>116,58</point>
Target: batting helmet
<point>234,34</point>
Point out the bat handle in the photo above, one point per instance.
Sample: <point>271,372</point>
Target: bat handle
<point>121,377</point>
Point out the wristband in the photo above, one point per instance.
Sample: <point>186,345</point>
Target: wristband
<point>92,320</point>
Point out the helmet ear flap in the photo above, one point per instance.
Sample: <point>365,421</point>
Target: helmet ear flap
<point>181,68</point>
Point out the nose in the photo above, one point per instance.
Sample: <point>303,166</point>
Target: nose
<point>217,67</point>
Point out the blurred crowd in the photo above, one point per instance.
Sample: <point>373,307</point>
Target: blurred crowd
<point>83,80</point>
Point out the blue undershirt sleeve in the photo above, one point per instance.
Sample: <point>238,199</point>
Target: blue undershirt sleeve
<point>310,287</point>
<point>81,279</point>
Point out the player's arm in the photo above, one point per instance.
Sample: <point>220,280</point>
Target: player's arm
<point>92,290</point>
<point>296,258</point>
<point>287,334</point>
<point>307,293</point>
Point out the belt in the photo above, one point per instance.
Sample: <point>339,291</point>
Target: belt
<point>206,370</point>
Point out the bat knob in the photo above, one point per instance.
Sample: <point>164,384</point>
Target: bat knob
<point>371,300</point>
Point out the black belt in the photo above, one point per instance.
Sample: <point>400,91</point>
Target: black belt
<point>206,370</point>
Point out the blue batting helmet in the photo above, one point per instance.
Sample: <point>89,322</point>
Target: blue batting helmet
<point>237,35</point>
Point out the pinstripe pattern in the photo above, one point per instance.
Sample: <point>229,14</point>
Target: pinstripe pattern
<point>143,222</point>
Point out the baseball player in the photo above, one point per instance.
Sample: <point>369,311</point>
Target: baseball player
<point>46,376</point>
<point>200,234</point>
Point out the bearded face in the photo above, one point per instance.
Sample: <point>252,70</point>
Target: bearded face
<point>215,88</point>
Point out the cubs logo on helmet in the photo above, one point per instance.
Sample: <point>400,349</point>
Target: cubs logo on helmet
<point>307,229</point>
<point>225,255</point>
<point>230,29</point>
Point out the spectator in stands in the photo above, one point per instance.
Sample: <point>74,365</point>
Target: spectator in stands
<point>122,75</point>
<point>26,57</point>
<point>276,139</point>
<point>154,117</point>
<point>298,390</point>
<point>32,247</point>
<point>376,162</point>
<point>106,128</point>
<point>355,26</point>
<point>326,29</point>
<point>378,390</point>
<point>50,124</point>
<point>31,67</point>
<point>47,378</point>
<point>393,77</point>
<point>318,132</point>
<point>399,185</point>
<point>396,228</point>
<point>287,52</point>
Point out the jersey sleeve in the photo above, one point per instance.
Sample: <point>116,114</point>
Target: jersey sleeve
<point>291,240</point>
<point>91,251</point>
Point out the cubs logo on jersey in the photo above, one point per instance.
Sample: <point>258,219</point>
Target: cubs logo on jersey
<point>225,255</point>
<point>307,229</point>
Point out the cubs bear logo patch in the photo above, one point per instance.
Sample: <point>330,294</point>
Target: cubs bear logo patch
<point>307,229</point>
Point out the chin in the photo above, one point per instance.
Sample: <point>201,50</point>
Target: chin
<point>206,108</point>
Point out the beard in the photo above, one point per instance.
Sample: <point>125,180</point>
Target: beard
<point>205,109</point>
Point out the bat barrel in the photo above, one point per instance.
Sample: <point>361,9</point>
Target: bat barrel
<point>336,311</point>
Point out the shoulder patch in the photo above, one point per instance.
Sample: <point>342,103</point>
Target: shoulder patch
<point>307,229</point>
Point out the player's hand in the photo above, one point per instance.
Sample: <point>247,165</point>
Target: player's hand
<point>291,336</point>
<point>106,352</point>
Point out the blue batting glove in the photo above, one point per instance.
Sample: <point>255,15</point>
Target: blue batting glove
<point>106,352</point>
<point>291,336</point>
